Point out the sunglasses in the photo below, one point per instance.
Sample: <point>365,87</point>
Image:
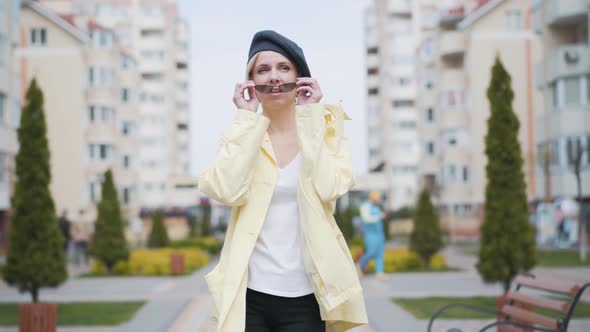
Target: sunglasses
<point>262,88</point>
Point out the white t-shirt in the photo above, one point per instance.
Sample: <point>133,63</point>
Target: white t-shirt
<point>276,264</point>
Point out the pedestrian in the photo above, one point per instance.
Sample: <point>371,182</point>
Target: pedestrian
<point>82,230</point>
<point>64,226</point>
<point>374,237</point>
<point>285,265</point>
<point>137,230</point>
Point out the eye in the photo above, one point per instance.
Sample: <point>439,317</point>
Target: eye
<point>285,67</point>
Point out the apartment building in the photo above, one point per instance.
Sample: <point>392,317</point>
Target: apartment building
<point>152,33</point>
<point>563,77</point>
<point>10,100</point>
<point>52,52</point>
<point>391,37</point>
<point>454,107</point>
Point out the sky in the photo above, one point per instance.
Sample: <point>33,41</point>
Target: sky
<point>330,32</point>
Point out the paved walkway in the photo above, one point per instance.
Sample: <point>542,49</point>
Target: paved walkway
<point>182,304</point>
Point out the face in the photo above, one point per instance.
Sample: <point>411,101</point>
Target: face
<point>272,68</point>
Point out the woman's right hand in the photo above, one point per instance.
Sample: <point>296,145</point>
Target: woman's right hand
<point>240,100</point>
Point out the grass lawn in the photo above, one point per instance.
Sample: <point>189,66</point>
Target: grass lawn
<point>80,314</point>
<point>561,258</point>
<point>554,258</point>
<point>424,308</point>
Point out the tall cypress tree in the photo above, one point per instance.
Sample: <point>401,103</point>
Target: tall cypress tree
<point>426,238</point>
<point>36,257</point>
<point>108,242</point>
<point>158,236</point>
<point>507,238</point>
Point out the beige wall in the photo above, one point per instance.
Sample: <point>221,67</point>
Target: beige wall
<point>517,50</point>
<point>59,70</point>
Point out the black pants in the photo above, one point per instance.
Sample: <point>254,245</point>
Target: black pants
<point>270,313</point>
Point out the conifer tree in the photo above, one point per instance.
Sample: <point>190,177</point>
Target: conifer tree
<point>36,258</point>
<point>507,238</point>
<point>426,238</point>
<point>108,242</point>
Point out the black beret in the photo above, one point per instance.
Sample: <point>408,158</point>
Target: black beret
<point>268,40</point>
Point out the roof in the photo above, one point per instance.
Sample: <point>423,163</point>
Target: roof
<point>482,8</point>
<point>63,23</point>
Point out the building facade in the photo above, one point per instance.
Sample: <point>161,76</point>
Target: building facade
<point>563,76</point>
<point>455,61</point>
<point>391,35</point>
<point>152,33</point>
<point>10,100</point>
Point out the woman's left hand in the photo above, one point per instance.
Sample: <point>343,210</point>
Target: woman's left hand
<point>308,91</point>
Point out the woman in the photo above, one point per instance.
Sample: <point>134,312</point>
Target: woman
<point>284,265</point>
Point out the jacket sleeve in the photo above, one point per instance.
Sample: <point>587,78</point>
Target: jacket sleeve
<point>228,180</point>
<point>326,149</point>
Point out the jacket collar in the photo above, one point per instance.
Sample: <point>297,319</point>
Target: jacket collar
<point>267,148</point>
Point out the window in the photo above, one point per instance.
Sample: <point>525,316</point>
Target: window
<point>154,77</point>
<point>3,112</point>
<point>465,174</point>
<point>451,173</point>
<point>38,36</point>
<point>100,151</point>
<point>430,148</point>
<point>92,113</point>
<point>372,50</point>
<point>3,170</point>
<point>126,128</point>
<point>403,81</point>
<point>92,191</point>
<point>152,54</point>
<point>373,71</point>
<point>403,103</point>
<point>91,76</point>
<point>571,86</point>
<point>373,91</point>
<point>126,195</point>
<point>125,94</point>
<point>514,19</point>
<point>152,33</point>
<point>3,49</point>
<point>430,114</point>
<point>587,89</point>
<point>126,161</point>
<point>182,126</point>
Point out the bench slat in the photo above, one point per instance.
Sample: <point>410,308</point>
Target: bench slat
<point>540,302</point>
<point>518,314</point>
<point>558,286</point>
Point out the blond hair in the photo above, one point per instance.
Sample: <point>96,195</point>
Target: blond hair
<point>250,66</point>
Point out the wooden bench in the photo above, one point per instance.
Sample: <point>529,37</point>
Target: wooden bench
<point>559,297</point>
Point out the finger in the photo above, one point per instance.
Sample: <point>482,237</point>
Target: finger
<point>303,90</point>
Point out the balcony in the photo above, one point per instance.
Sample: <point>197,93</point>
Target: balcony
<point>372,61</point>
<point>453,77</point>
<point>564,12</point>
<point>451,16</point>
<point>452,44</point>
<point>570,60</point>
<point>152,22</point>
<point>372,81</point>
<point>400,7</point>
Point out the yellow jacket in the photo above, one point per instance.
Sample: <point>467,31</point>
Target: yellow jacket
<point>244,177</point>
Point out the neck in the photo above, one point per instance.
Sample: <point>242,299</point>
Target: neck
<point>282,120</point>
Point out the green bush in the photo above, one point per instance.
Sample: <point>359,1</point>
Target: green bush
<point>154,262</point>
<point>108,242</point>
<point>158,237</point>
<point>208,243</point>
<point>427,237</point>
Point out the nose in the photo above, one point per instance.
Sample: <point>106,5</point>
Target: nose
<point>274,76</point>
